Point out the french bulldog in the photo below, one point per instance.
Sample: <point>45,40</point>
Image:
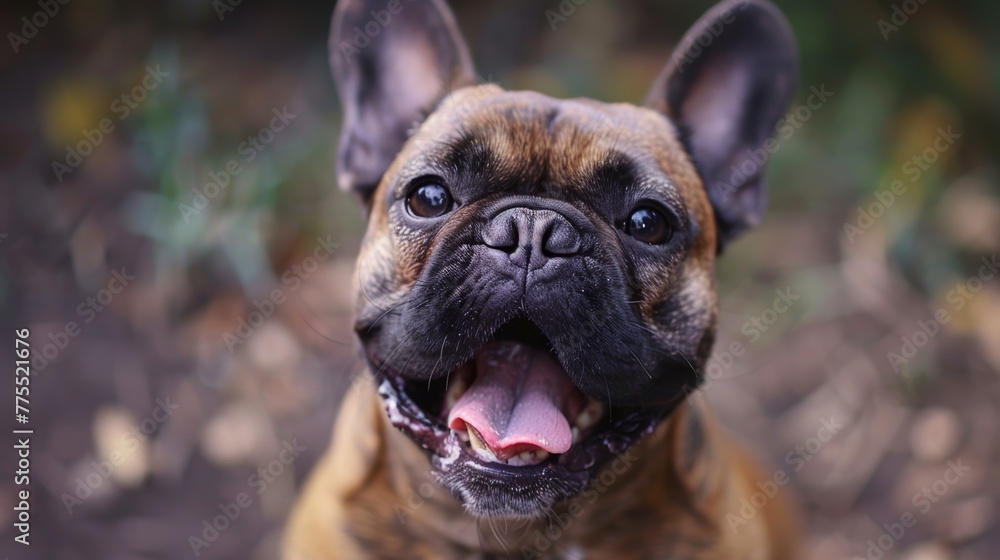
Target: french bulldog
<point>536,301</point>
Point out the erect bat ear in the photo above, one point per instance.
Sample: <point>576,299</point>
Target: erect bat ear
<point>392,65</point>
<point>729,81</point>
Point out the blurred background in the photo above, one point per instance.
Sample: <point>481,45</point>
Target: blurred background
<point>164,166</point>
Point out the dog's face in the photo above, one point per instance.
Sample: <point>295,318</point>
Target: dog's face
<point>536,283</point>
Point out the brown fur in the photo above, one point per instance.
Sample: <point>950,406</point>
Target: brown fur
<point>373,495</point>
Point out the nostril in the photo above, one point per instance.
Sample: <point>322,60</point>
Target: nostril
<point>501,234</point>
<point>560,239</point>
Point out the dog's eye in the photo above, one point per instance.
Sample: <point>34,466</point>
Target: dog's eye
<point>649,226</point>
<point>429,200</point>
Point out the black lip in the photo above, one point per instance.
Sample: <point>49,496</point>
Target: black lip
<point>585,457</point>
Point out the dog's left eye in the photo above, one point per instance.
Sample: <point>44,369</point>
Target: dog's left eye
<point>429,200</point>
<point>648,225</point>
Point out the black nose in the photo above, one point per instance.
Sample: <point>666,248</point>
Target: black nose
<point>532,236</point>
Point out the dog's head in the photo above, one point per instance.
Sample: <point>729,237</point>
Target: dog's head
<point>537,278</point>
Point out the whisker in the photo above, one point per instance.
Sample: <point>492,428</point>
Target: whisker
<point>385,362</point>
<point>315,330</point>
<point>640,363</point>
<point>387,311</point>
<point>699,374</point>
<point>440,359</point>
<point>608,387</point>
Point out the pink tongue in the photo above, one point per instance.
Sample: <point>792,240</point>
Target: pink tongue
<point>519,401</point>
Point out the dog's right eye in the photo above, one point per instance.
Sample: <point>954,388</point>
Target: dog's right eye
<point>648,225</point>
<point>429,200</point>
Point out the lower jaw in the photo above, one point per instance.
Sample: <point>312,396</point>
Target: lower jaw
<point>495,490</point>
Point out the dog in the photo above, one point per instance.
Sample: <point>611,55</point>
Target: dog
<point>536,301</point>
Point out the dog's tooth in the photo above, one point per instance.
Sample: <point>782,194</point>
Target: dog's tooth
<point>526,458</point>
<point>590,414</point>
<point>477,443</point>
<point>576,434</point>
<point>456,389</point>
<point>481,448</point>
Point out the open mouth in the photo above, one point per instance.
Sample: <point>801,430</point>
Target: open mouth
<point>513,410</point>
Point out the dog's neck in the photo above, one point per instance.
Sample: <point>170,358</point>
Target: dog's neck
<point>663,477</point>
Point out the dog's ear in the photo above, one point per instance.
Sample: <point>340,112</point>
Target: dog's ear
<point>392,64</point>
<point>727,84</point>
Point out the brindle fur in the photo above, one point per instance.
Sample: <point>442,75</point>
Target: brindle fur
<point>373,495</point>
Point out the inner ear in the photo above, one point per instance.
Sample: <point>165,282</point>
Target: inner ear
<point>391,67</point>
<point>729,81</point>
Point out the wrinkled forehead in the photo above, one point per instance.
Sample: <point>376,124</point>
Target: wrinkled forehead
<point>565,143</point>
